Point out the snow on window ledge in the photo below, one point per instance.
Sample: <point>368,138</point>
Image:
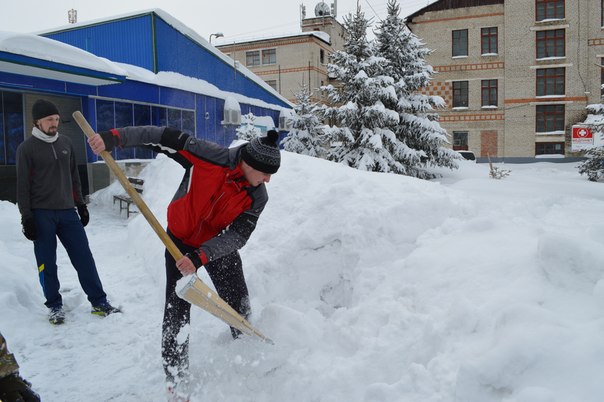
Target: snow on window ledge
<point>490,107</point>
<point>460,57</point>
<point>559,156</point>
<point>550,20</point>
<point>489,54</point>
<point>460,108</point>
<point>551,58</point>
<point>559,132</point>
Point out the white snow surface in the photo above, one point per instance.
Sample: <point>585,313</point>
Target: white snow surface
<point>374,287</point>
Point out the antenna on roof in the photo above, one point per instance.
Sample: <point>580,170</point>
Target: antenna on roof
<point>72,16</point>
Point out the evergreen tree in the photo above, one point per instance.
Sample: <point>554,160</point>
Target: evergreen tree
<point>593,166</point>
<point>247,131</point>
<point>362,135</point>
<point>418,128</point>
<point>306,135</point>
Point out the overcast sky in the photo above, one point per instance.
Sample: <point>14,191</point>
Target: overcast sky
<point>237,19</point>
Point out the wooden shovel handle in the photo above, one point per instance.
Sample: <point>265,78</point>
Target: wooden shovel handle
<point>142,206</point>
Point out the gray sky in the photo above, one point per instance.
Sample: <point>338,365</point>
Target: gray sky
<point>237,19</point>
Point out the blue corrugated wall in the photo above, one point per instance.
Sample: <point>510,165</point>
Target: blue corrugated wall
<point>128,40</point>
<point>150,42</point>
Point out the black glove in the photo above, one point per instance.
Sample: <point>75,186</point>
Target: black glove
<point>13,388</point>
<point>174,139</point>
<point>84,215</point>
<point>111,141</point>
<point>194,257</point>
<point>29,227</point>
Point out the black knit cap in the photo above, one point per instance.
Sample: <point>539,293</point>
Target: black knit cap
<point>43,108</point>
<point>262,153</point>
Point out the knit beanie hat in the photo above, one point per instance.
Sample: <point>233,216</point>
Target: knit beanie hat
<point>262,153</point>
<point>43,108</point>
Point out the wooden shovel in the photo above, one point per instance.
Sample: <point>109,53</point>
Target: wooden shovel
<point>195,291</point>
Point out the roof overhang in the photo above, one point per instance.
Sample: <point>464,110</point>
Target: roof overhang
<point>25,65</point>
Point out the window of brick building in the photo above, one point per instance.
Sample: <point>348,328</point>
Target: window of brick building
<point>549,148</point>
<point>272,84</point>
<point>460,140</point>
<point>550,81</point>
<point>489,92</point>
<point>549,10</point>
<point>460,94</point>
<point>551,43</point>
<point>549,118</point>
<point>460,42</point>
<point>252,58</point>
<point>488,40</point>
<point>269,56</point>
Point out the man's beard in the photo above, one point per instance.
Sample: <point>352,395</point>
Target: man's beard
<point>51,131</point>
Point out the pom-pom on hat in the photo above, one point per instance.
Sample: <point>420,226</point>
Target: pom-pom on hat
<point>43,108</point>
<point>262,153</point>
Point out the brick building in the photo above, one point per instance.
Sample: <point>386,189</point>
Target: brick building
<point>285,62</point>
<point>515,74</point>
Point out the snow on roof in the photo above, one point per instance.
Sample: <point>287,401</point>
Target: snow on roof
<point>324,36</point>
<point>190,33</point>
<point>190,84</point>
<point>56,52</point>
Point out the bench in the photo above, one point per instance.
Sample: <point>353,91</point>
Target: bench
<point>125,200</point>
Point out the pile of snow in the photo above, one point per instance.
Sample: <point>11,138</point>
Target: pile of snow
<point>374,287</point>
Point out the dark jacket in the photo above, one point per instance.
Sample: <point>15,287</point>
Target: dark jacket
<point>47,175</point>
<point>214,209</point>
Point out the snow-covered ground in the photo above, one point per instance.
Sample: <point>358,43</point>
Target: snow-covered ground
<point>374,287</point>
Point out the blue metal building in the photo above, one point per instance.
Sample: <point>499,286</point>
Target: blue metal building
<point>137,69</point>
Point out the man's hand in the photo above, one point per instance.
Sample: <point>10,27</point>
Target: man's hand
<point>84,215</point>
<point>29,227</point>
<point>96,144</point>
<point>186,266</point>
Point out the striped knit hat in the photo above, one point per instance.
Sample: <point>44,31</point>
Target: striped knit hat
<point>262,153</point>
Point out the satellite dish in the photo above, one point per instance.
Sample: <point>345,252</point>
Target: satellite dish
<point>322,9</point>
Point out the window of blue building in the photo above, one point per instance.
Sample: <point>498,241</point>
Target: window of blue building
<point>12,127</point>
<point>111,114</point>
<point>142,117</point>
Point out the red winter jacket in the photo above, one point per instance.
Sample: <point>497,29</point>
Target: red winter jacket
<point>214,209</point>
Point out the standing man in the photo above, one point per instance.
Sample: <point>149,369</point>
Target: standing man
<point>211,216</point>
<point>48,193</point>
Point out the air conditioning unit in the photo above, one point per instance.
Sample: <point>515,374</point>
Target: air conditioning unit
<point>283,124</point>
<point>234,116</point>
<point>284,119</point>
<point>232,112</point>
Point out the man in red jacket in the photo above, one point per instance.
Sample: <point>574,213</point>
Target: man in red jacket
<point>211,216</point>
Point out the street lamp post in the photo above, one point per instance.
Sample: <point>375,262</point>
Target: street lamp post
<point>216,35</point>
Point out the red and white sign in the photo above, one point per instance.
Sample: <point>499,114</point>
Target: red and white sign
<point>582,138</point>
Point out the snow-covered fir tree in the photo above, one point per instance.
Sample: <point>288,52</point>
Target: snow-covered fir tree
<point>418,127</point>
<point>593,166</point>
<point>247,131</point>
<point>362,133</point>
<point>306,135</point>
